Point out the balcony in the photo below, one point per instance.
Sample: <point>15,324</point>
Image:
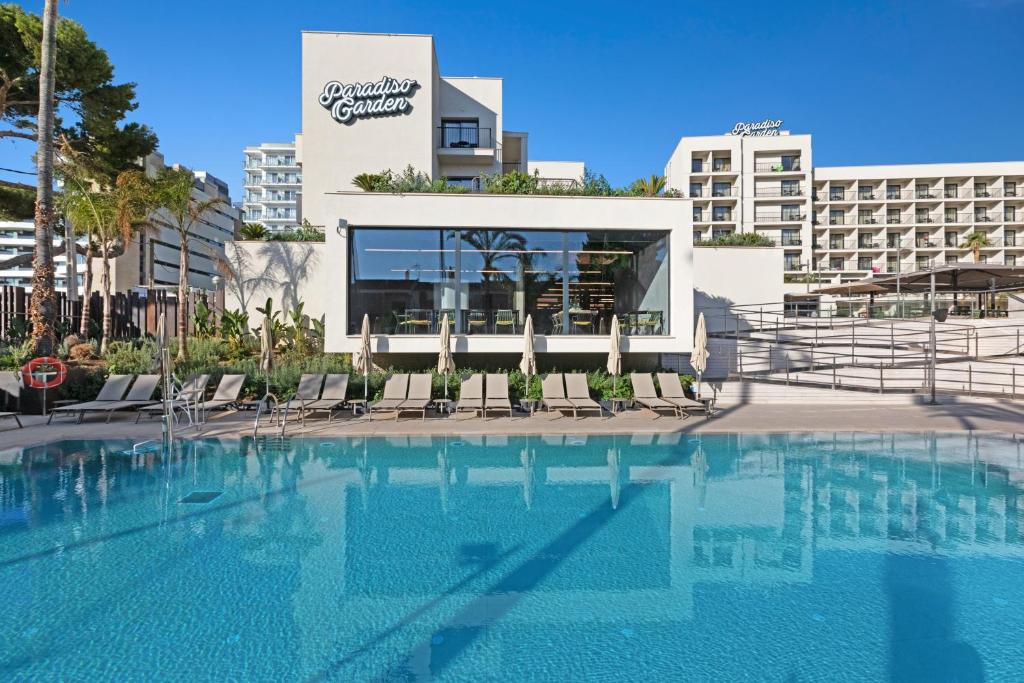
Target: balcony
<point>722,218</point>
<point>925,194</point>
<point>723,192</point>
<point>779,192</point>
<point>837,220</point>
<point>721,166</point>
<point>469,144</point>
<point>790,241</point>
<point>869,244</point>
<point>863,196</point>
<point>778,218</point>
<point>513,167</point>
<point>867,220</point>
<point>786,166</point>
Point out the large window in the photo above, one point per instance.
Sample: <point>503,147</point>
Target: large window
<point>489,280</point>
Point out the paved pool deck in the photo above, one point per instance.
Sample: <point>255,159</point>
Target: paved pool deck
<point>950,415</point>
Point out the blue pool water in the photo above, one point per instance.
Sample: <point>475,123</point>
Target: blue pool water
<point>722,557</point>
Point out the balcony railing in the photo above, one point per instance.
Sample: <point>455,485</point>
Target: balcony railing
<point>840,195</point>
<point>778,218</point>
<point>723,192</point>
<point>868,220</point>
<point>722,218</point>
<point>721,167</point>
<point>777,166</point>
<point>779,192</point>
<point>463,137</point>
<point>791,242</point>
<point>512,166</point>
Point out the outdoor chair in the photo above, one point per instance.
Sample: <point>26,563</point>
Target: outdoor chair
<point>672,391</point>
<point>307,392</point>
<point>476,321</point>
<point>578,393</point>
<point>10,386</point>
<point>395,390</point>
<point>113,390</point>
<point>418,398</point>
<point>497,394</point>
<point>226,396</point>
<point>139,396</point>
<point>14,415</point>
<point>471,393</point>
<point>184,399</point>
<point>553,393</point>
<point>504,319</point>
<point>332,397</point>
<point>645,394</point>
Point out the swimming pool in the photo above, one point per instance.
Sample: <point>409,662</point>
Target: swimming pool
<point>728,557</point>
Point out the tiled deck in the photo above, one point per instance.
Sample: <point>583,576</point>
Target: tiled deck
<point>951,414</point>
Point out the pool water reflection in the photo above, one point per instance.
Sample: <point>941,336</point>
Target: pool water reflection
<point>765,557</point>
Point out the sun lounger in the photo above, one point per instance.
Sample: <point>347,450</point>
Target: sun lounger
<point>14,415</point>
<point>645,394</point>
<point>471,394</point>
<point>395,390</point>
<point>307,392</point>
<point>578,393</point>
<point>553,393</point>
<point>10,387</point>
<point>419,395</point>
<point>139,396</point>
<point>113,390</point>
<point>497,394</point>
<point>184,399</point>
<point>333,395</point>
<point>226,396</point>
<point>672,391</point>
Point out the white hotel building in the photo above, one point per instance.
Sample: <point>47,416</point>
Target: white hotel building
<point>272,186</point>
<point>372,102</point>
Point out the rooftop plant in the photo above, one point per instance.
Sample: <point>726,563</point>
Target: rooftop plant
<point>736,239</point>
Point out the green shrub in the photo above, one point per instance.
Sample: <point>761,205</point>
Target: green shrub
<point>131,358</point>
<point>13,356</point>
<point>737,239</point>
<point>82,383</point>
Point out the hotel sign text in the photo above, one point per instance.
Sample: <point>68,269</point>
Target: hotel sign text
<point>765,128</point>
<point>349,102</point>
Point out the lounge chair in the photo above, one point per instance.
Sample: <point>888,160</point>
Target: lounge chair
<point>226,396</point>
<point>578,393</point>
<point>645,394</point>
<point>139,396</point>
<point>395,390</point>
<point>553,392</point>
<point>471,394</point>
<point>333,395</point>
<point>184,399</point>
<point>672,391</point>
<point>112,390</point>
<point>10,387</point>
<point>496,397</point>
<point>307,392</point>
<point>418,398</point>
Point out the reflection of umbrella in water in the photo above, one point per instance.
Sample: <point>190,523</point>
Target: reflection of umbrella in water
<point>526,457</point>
<point>699,463</point>
<point>613,476</point>
<point>266,351</point>
<point>444,471</point>
<point>364,476</point>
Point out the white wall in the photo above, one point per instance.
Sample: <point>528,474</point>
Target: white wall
<point>568,170</point>
<point>728,276</point>
<point>334,153</point>
<point>287,272</point>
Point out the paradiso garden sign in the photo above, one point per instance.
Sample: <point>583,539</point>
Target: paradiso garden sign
<point>766,128</point>
<point>349,102</point>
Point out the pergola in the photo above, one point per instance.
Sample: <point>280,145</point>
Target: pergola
<point>974,278</point>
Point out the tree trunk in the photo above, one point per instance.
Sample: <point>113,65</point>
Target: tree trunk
<point>107,313</point>
<point>182,299</point>
<point>70,260</point>
<point>43,306</point>
<point>83,328</point>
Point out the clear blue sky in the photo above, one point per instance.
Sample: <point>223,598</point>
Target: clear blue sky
<point>615,84</point>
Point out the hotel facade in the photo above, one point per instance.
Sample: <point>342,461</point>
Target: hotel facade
<point>373,102</point>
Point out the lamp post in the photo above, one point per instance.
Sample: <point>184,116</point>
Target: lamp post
<point>936,316</point>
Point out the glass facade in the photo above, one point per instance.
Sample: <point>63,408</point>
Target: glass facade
<point>489,280</point>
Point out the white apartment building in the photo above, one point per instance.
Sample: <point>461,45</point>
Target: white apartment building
<point>17,238</point>
<point>845,223</point>
<point>272,186</point>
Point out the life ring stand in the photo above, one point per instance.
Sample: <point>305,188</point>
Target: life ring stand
<point>47,379</point>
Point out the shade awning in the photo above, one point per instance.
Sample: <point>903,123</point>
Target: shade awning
<point>979,277</point>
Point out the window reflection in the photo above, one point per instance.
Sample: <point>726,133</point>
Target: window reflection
<point>489,280</point>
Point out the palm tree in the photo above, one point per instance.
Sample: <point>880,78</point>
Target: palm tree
<point>650,187</point>
<point>43,306</point>
<point>253,231</point>
<point>110,217</point>
<point>175,196</point>
<point>976,241</point>
<point>367,182</point>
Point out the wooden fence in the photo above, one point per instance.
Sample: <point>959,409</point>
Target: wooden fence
<point>134,314</point>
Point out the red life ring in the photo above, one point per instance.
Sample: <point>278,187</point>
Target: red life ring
<point>39,380</point>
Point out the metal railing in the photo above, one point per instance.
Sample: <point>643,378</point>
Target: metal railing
<point>876,194</point>
<point>778,218</point>
<point>777,166</point>
<point>779,192</point>
<point>464,137</point>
